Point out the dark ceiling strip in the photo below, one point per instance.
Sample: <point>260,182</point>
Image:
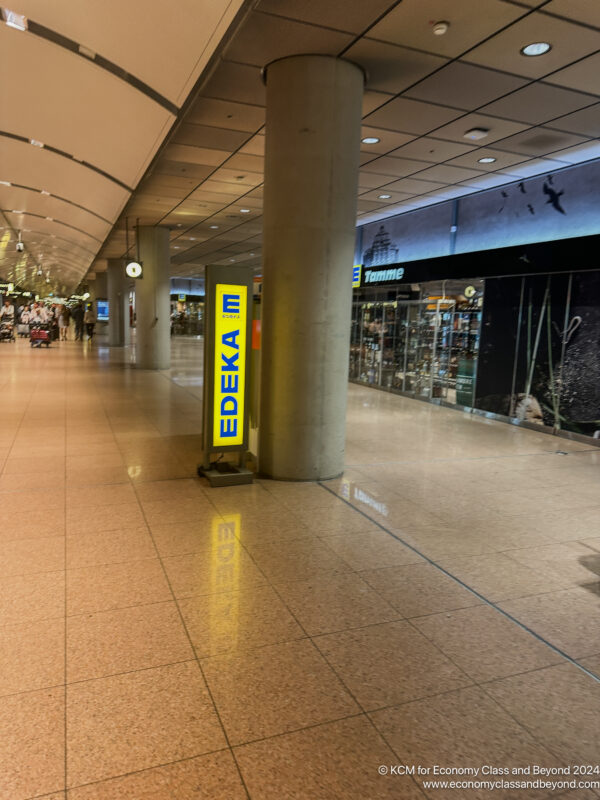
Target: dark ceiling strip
<point>62,199</point>
<point>71,158</point>
<point>68,44</point>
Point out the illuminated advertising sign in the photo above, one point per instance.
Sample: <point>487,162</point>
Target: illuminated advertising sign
<point>231,313</point>
<point>228,321</point>
<point>356,276</point>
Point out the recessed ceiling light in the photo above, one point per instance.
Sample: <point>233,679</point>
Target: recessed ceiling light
<point>85,51</point>
<point>192,238</point>
<point>14,211</point>
<point>370,140</point>
<point>384,196</point>
<point>536,49</point>
<point>35,143</point>
<point>43,191</point>
<point>476,133</point>
<point>5,183</point>
<point>232,259</point>
<point>176,247</point>
<point>245,210</point>
<point>486,160</point>
<point>440,28</point>
<point>214,227</point>
<point>49,219</point>
<point>14,20</point>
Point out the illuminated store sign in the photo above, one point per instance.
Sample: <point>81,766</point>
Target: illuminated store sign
<point>231,314</point>
<point>356,276</point>
<point>380,276</point>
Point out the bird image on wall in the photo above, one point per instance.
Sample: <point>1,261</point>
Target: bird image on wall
<point>553,197</point>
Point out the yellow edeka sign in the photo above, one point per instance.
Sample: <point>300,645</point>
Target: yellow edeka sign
<point>231,308</point>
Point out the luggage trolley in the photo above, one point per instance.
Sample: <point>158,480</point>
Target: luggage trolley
<point>7,330</point>
<point>39,334</point>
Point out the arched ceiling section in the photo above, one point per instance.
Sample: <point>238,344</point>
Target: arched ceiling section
<point>89,92</point>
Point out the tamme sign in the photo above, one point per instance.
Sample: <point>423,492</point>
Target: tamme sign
<point>374,276</point>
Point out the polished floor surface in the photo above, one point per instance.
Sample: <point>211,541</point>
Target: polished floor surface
<point>161,640</point>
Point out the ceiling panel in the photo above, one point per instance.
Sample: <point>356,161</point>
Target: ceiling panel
<point>238,82</point>
<point>225,114</point>
<point>538,103</point>
<point>585,122</point>
<point>411,24</point>
<point>373,100</point>
<point>391,68</point>
<point>210,138</point>
<point>569,43</point>
<point>398,167</point>
<point>413,186</point>
<point>345,15</point>
<point>587,11</point>
<point>370,180</point>
<point>582,76</point>
<point>498,128</point>
<point>432,150</point>
<point>255,146</point>
<point>73,105</point>
<point>580,152</point>
<point>445,173</point>
<point>195,155</point>
<point>132,34</point>
<point>534,167</point>
<point>503,159</point>
<point>265,38</point>
<point>394,197</point>
<point>465,86</point>
<point>388,140</point>
<point>538,141</point>
<point>411,116</point>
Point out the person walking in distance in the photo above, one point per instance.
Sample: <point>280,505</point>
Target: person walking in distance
<point>78,314</point>
<point>63,322</point>
<point>89,319</point>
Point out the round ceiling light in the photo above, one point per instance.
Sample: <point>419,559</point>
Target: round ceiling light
<point>384,196</point>
<point>536,49</point>
<point>370,140</point>
<point>486,160</point>
<point>214,227</point>
<point>244,210</point>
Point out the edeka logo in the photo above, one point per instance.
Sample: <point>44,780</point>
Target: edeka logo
<point>384,275</point>
<point>230,364</point>
<point>356,275</point>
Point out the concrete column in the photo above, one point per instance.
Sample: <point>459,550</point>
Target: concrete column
<point>153,329</point>
<point>311,182</point>
<point>115,288</point>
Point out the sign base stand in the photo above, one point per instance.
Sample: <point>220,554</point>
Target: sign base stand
<point>222,473</point>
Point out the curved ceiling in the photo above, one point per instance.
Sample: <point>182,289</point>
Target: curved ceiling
<point>89,92</point>
<point>101,86</point>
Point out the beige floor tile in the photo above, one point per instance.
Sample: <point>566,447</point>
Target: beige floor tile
<point>210,777</point>
<point>372,550</point>
<point>85,461</point>
<point>158,512</point>
<point>463,729</point>
<point>171,491</point>
<point>20,482</point>
<point>257,528</point>
<point>388,664</point>
<point>90,519</point>
<point>341,520</point>
<point>32,755</point>
<point>16,503</point>
<point>89,476</point>
<point>23,557</point>
<point>109,547</point>
<point>573,563</point>
<point>101,495</point>
<point>592,663</point>
<point>158,470</point>
<point>485,644</point>
<point>569,725</point>
<point>327,762</point>
<point>226,621</point>
<point>275,689</point>
<point>419,589</point>
<point>112,586</point>
<point>227,567</point>
<point>299,559</point>
<point>188,537</point>
<point>32,656</point>
<point>125,640</point>
<point>568,619</point>
<point>30,598</point>
<point>497,577</point>
<point>143,719</point>
<point>335,602</point>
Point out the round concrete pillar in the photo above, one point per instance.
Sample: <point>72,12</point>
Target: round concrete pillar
<point>311,181</point>
<point>115,273</point>
<point>152,301</point>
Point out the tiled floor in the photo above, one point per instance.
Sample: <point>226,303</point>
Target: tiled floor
<point>161,640</point>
